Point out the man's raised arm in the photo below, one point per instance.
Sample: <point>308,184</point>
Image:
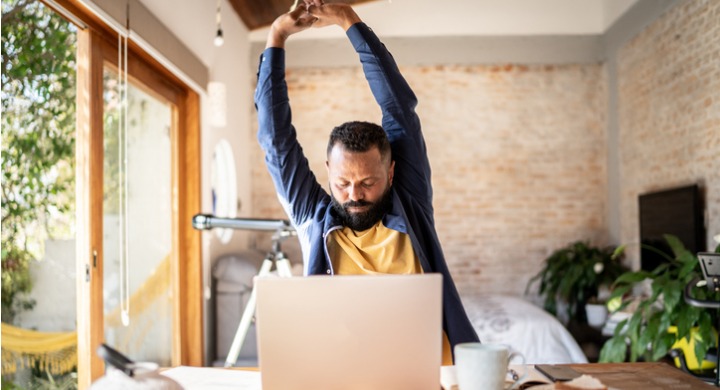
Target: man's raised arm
<point>392,93</point>
<point>295,184</point>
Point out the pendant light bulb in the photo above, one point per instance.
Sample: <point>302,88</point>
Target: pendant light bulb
<point>219,38</point>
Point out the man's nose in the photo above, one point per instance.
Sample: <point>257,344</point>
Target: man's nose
<point>355,193</point>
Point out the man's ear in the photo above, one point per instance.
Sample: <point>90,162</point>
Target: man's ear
<point>327,167</point>
<point>391,171</point>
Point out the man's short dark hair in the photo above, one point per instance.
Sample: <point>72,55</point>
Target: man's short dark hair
<point>359,136</point>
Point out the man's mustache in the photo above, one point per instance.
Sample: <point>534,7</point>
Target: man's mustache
<point>356,203</point>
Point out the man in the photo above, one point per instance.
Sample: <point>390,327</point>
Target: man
<point>378,217</point>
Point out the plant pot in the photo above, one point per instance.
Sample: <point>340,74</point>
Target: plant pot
<point>688,349</point>
<point>596,314</point>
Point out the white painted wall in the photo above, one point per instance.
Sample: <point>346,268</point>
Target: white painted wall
<point>54,285</point>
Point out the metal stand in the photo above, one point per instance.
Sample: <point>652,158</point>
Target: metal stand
<point>282,264</point>
<point>283,230</point>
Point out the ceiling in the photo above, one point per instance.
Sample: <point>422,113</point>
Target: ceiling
<point>261,13</point>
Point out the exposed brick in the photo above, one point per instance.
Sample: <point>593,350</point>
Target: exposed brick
<point>518,158</point>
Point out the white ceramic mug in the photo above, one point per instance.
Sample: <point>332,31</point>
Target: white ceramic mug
<point>484,366</point>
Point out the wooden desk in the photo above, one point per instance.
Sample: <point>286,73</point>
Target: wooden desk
<point>617,376</point>
<point>642,376</point>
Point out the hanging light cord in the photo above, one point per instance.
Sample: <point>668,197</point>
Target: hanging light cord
<point>123,172</point>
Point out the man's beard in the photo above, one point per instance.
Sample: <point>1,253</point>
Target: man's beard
<point>366,219</point>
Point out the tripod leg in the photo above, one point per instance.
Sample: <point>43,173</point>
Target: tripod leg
<point>284,269</point>
<point>246,319</point>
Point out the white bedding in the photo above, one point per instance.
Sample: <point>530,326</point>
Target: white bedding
<point>526,328</point>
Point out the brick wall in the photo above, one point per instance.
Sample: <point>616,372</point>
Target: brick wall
<point>669,111</point>
<point>518,158</point>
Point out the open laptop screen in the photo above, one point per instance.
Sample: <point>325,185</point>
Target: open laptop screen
<point>350,332</point>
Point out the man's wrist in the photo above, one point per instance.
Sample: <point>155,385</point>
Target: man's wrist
<point>349,20</point>
<point>276,39</point>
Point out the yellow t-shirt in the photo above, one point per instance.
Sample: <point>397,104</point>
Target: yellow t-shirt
<point>377,250</point>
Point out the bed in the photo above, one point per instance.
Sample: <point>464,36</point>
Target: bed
<point>526,328</point>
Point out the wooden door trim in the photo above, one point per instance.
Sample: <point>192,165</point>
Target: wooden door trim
<point>89,200</point>
<point>189,248</point>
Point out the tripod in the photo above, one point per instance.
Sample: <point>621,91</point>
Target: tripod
<point>283,230</point>
<point>282,265</point>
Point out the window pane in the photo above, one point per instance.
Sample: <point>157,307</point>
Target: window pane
<point>137,223</point>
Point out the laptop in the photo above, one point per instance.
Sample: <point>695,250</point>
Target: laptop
<point>350,332</point>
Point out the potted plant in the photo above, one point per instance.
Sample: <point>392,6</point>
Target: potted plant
<point>663,318</point>
<point>574,275</point>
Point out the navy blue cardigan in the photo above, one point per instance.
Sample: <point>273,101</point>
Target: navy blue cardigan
<point>308,204</point>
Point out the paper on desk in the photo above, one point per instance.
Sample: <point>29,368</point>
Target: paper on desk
<point>448,378</point>
<point>208,378</point>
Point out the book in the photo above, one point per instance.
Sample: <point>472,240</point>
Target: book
<point>531,378</point>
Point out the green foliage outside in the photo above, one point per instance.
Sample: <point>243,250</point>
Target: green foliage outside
<point>38,142</point>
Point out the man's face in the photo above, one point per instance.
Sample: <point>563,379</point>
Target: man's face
<point>360,186</point>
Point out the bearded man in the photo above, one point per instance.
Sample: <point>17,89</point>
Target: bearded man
<point>378,217</point>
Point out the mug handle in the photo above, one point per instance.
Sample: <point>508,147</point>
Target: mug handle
<point>515,375</point>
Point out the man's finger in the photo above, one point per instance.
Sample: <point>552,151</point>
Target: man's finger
<point>292,7</point>
<point>306,21</point>
<point>298,10</point>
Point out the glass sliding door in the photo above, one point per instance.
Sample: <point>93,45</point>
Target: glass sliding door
<point>137,221</point>
<point>139,268</point>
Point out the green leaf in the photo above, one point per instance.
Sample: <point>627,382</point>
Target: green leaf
<point>633,332</point>
<point>614,350</point>
<point>633,277</point>
<point>672,293</point>
<point>620,330</point>
<point>660,269</point>
<point>689,265</point>
<point>648,335</point>
<point>705,336</point>
<point>619,251</point>
<point>676,246</point>
<point>661,346</point>
<point>619,291</point>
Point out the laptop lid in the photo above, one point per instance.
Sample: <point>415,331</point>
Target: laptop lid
<point>350,332</point>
